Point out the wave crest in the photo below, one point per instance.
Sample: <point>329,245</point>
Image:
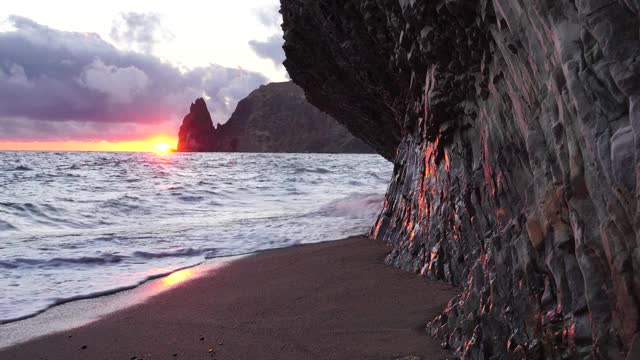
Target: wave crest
<point>356,205</point>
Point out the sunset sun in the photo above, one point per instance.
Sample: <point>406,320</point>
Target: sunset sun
<point>163,147</point>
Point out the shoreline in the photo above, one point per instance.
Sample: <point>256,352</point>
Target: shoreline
<point>96,295</point>
<point>206,264</point>
<point>79,311</point>
<point>64,315</point>
<point>301,295</point>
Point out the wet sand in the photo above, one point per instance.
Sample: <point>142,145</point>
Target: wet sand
<point>334,300</point>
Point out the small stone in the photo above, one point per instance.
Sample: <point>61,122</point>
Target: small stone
<point>175,355</point>
<point>202,338</point>
<point>211,351</point>
<point>220,343</point>
<point>133,357</point>
<point>83,347</point>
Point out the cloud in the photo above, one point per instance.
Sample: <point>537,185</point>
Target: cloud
<point>269,16</point>
<point>121,85</point>
<point>27,129</point>
<point>137,31</point>
<point>271,49</point>
<point>14,75</point>
<point>56,84</point>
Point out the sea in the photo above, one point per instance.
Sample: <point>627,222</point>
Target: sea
<point>77,225</point>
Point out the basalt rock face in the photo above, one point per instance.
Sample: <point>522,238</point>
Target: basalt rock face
<point>273,118</point>
<point>514,126</point>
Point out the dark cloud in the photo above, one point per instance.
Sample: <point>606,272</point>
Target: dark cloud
<point>55,83</point>
<point>139,31</point>
<point>270,49</point>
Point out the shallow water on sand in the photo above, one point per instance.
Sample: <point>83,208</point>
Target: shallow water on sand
<point>75,225</point>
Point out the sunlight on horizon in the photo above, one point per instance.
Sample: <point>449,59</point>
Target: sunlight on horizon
<point>155,144</point>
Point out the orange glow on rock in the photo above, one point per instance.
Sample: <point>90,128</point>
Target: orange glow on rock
<point>377,228</point>
<point>446,161</point>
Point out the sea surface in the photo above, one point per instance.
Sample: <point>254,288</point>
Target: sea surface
<point>79,224</point>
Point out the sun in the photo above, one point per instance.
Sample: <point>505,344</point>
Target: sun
<point>163,147</point>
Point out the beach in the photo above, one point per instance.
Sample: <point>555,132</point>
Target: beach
<point>331,300</point>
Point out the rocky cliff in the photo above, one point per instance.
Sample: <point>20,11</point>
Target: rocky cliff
<point>273,118</point>
<point>514,126</point>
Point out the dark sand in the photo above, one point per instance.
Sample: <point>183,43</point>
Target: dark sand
<point>334,300</point>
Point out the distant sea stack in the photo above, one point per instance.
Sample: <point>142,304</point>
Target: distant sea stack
<point>197,129</point>
<point>274,118</point>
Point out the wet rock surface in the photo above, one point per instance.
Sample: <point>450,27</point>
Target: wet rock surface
<point>274,118</point>
<point>514,126</point>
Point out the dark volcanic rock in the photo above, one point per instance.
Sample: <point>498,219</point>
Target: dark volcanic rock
<point>197,129</point>
<point>273,118</point>
<point>516,174</point>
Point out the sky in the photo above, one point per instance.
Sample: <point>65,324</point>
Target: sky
<point>120,75</point>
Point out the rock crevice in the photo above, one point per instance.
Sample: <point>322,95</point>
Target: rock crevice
<point>514,126</point>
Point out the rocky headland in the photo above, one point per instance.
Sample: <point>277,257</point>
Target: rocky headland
<point>274,118</point>
<point>514,126</point>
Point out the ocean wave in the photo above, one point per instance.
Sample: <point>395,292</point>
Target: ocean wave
<point>356,205</point>
<point>318,170</point>
<point>42,215</point>
<point>21,168</point>
<point>376,176</point>
<point>29,208</point>
<point>6,226</point>
<point>59,262</point>
<point>190,199</point>
<point>106,259</point>
<point>188,252</point>
<point>69,167</point>
<point>126,204</point>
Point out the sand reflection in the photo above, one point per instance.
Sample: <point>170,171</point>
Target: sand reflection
<point>176,278</point>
